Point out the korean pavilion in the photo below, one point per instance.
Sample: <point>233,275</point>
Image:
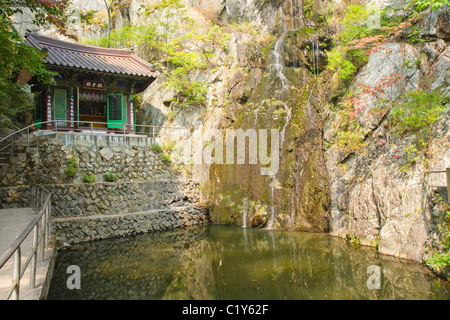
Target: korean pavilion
<point>93,84</point>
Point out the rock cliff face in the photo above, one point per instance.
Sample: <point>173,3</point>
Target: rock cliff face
<point>374,197</point>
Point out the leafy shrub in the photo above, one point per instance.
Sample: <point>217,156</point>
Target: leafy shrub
<point>439,261</point>
<point>418,111</point>
<point>165,157</point>
<point>156,148</point>
<point>435,4</point>
<point>72,168</point>
<point>169,146</point>
<point>110,177</point>
<point>88,178</point>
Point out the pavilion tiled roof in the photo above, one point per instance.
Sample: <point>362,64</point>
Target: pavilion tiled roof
<point>90,58</point>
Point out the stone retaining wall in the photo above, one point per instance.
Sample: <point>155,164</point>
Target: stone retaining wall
<point>93,211</point>
<point>83,229</point>
<point>109,198</point>
<point>48,162</point>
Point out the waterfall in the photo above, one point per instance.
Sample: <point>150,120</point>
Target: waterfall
<point>244,212</point>
<point>278,68</point>
<point>272,187</point>
<point>272,209</point>
<point>278,65</point>
<point>315,54</point>
<point>288,117</point>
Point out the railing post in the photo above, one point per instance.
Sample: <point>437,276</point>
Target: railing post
<point>16,274</point>
<point>49,210</point>
<point>34,256</point>
<point>36,204</point>
<point>42,243</point>
<point>42,196</point>
<point>47,222</point>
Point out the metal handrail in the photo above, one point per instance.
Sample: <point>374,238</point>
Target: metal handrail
<point>40,226</point>
<point>11,135</point>
<point>427,173</point>
<point>447,173</point>
<point>71,122</point>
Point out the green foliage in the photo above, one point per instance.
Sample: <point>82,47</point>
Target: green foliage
<point>349,141</point>
<point>185,65</point>
<point>169,146</point>
<point>16,57</point>
<point>128,37</point>
<point>165,157</point>
<point>353,45</point>
<point>110,177</point>
<point>418,111</point>
<point>439,261</point>
<point>353,240</point>
<point>412,155</point>
<point>87,17</point>
<point>344,59</point>
<point>350,136</point>
<point>422,5</point>
<point>415,113</point>
<point>354,23</point>
<point>72,168</point>
<point>156,148</point>
<point>339,63</point>
<point>88,178</point>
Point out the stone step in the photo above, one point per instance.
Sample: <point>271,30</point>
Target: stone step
<point>7,158</point>
<point>4,157</point>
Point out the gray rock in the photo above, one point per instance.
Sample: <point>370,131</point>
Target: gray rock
<point>106,153</point>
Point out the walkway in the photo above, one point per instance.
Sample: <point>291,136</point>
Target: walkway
<point>12,223</point>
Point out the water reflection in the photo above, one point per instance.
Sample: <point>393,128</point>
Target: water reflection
<point>221,262</point>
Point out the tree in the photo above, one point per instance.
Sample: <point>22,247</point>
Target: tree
<point>16,57</point>
<point>108,5</point>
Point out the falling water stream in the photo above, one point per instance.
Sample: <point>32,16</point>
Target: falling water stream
<point>278,67</point>
<point>244,212</point>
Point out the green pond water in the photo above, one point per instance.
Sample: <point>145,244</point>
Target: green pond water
<point>221,262</point>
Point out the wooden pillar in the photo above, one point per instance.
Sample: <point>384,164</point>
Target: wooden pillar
<point>447,171</point>
<point>49,109</point>
<point>71,108</point>
<point>131,114</point>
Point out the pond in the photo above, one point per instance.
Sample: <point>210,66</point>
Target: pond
<point>216,262</point>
